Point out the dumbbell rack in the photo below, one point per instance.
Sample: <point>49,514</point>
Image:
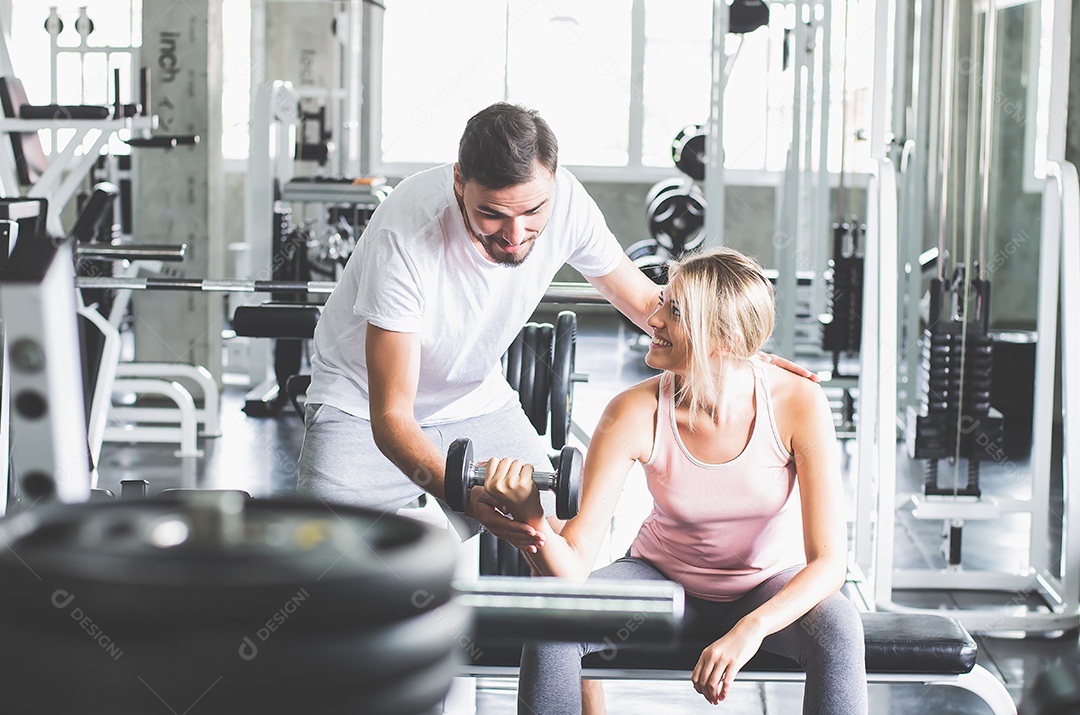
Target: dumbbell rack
<point>539,365</point>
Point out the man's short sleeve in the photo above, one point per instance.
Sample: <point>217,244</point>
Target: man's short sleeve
<point>597,251</point>
<point>390,294</point>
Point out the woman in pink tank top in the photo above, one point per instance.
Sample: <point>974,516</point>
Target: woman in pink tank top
<point>742,464</point>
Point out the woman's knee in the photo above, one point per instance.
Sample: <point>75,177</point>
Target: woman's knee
<point>547,660</point>
<point>832,629</point>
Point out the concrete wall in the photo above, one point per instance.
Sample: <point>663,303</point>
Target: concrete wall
<point>181,43</point>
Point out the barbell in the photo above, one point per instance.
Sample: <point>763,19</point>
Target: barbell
<point>568,292</point>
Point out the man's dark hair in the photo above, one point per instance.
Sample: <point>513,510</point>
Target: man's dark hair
<point>501,145</point>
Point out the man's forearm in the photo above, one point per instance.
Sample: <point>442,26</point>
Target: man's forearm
<point>402,441</point>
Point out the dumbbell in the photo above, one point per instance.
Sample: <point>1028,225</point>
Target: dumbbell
<point>462,474</point>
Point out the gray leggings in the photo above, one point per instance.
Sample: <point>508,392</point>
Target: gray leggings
<point>827,642</point>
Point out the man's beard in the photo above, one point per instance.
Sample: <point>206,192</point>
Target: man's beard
<point>493,246</point>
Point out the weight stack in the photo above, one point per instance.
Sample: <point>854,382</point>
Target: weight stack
<point>942,423</point>
<point>841,329</point>
<point>843,333</point>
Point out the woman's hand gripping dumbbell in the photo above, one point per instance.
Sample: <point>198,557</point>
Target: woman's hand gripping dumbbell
<point>462,474</point>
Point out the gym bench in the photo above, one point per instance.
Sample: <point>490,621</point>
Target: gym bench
<point>900,648</point>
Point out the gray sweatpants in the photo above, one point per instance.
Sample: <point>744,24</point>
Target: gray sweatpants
<point>827,642</point>
<point>340,463</point>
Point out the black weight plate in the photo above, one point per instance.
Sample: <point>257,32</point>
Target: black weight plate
<point>418,693</point>
<point>654,201</point>
<point>513,361</point>
<point>655,267</point>
<point>688,153</point>
<point>676,144</point>
<point>289,658</point>
<point>676,218</point>
<point>679,137</point>
<point>528,367</point>
<point>542,381</point>
<point>128,562</point>
<point>459,461</point>
<point>694,242</point>
<point>414,692</point>
<point>568,492</point>
<point>663,186</point>
<point>562,370</point>
<point>645,247</point>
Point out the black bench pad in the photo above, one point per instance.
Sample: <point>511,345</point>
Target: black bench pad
<point>895,643</point>
<point>276,320</point>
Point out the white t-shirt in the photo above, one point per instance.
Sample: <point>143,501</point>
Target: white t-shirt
<point>416,270</point>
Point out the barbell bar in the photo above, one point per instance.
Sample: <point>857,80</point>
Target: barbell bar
<point>511,609</point>
<point>568,292</point>
<point>131,252</point>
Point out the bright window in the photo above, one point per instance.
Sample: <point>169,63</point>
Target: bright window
<point>676,74</point>
<point>440,65</point>
<point>236,76</point>
<point>82,77</point>
<point>575,63</point>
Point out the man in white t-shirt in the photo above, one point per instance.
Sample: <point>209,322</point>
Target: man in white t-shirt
<point>452,264</point>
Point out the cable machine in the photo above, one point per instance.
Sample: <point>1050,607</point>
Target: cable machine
<point>950,423</point>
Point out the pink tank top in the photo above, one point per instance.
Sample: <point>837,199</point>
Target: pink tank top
<point>719,530</point>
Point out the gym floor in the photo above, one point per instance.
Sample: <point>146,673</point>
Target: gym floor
<point>259,456</point>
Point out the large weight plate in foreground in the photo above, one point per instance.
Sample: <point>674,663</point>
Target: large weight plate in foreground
<point>272,659</point>
<point>219,558</point>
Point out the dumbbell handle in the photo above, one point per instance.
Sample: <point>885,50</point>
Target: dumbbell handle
<point>542,480</point>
